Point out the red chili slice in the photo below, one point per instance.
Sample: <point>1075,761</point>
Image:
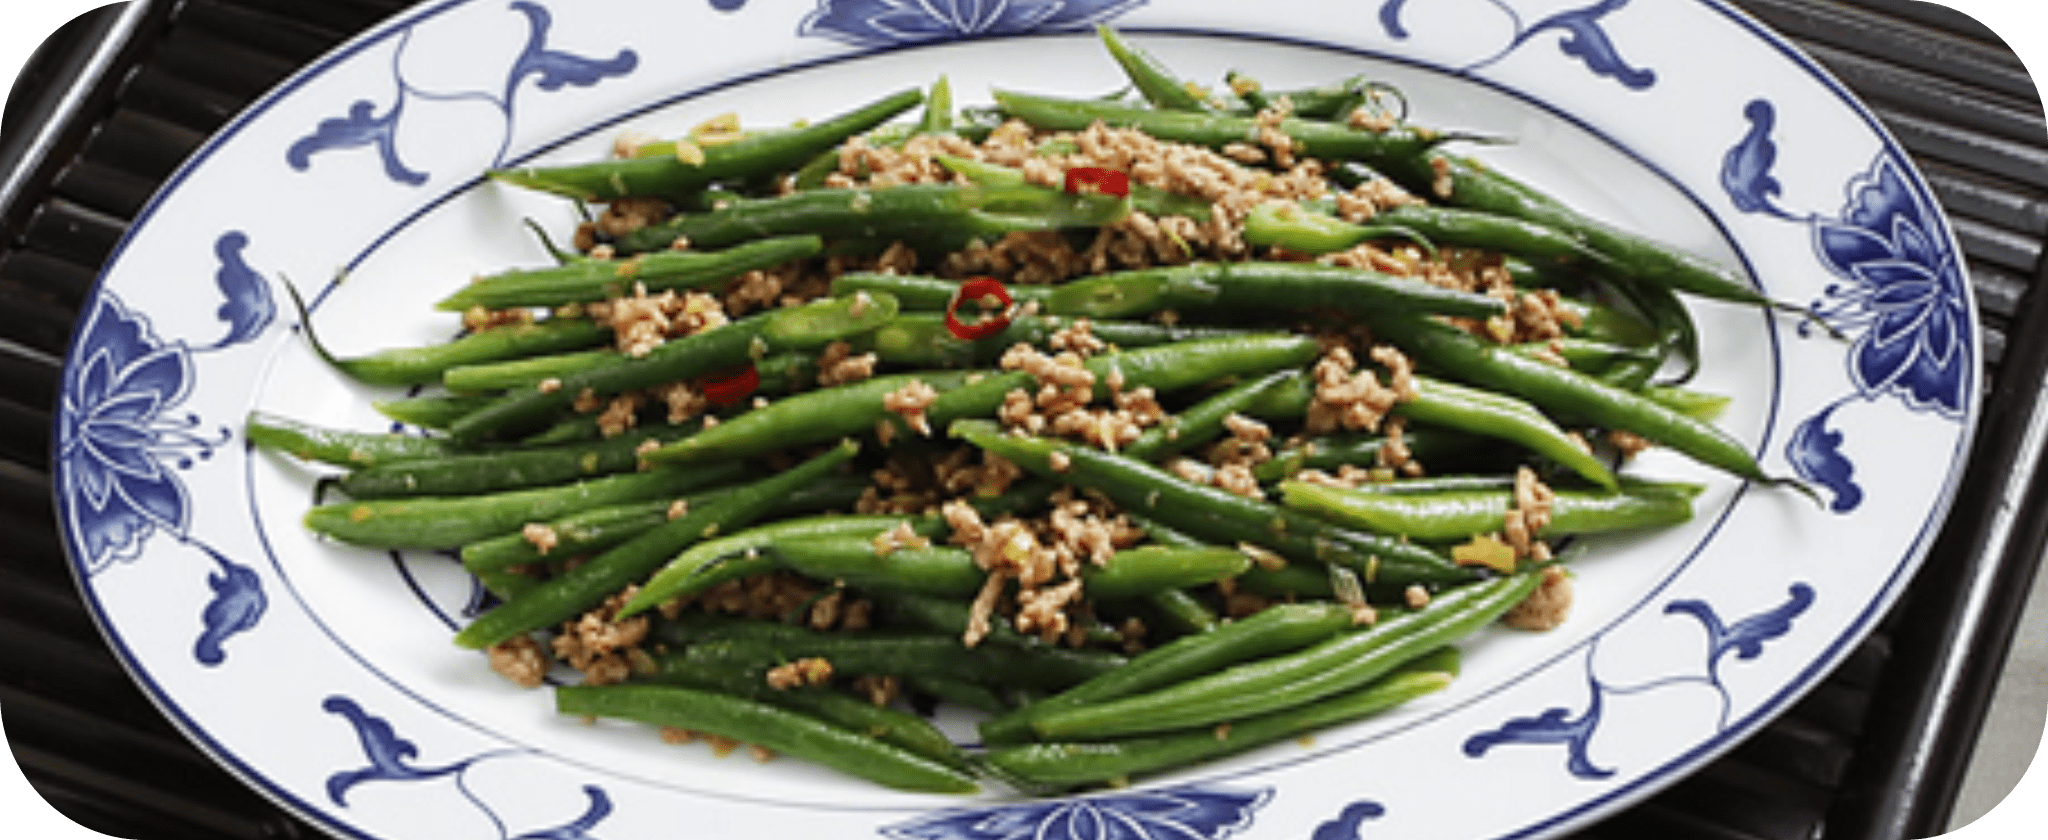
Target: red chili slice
<point>977,289</point>
<point>731,386</point>
<point>1098,180</point>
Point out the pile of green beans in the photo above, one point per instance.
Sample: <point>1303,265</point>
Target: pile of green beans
<point>1367,596</point>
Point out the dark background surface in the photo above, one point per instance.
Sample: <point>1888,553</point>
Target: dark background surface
<point>114,102</point>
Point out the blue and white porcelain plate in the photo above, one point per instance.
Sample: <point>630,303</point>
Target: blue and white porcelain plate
<point>324,675</point>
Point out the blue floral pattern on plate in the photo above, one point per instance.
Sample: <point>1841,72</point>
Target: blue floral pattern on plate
<point>1902,294</point>
<point>1350,824</point>
<point>871,23</point>
<point>114,426</point>
<point>550,70</point>
<point>1557,725</point>
<point>1584,32</point>
<point>1183,813</point>
<point>120,442</point>
<point>391,758</point>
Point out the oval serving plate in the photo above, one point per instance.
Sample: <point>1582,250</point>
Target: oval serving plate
<point>324,675</point>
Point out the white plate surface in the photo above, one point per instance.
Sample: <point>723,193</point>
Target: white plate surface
<point>324,675</point>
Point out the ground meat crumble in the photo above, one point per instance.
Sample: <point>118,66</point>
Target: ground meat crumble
<point>520,659</point>
<point>1042,557</point>
<point>599,646</point>
<point>1352,399</point>
<point>1546,608</point>
<point>909,403</point>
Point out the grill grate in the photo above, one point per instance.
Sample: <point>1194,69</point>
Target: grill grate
<point>1962,104</point>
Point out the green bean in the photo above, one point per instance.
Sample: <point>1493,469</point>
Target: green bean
<point>1277,629</point>
<point>1148,570</point>
<point>431,522</point>
<point>1311,138</point>
<point>1289,583</point>
<point>1629,374</point>
<point>1632,256</point>
<point>1335,101</point>
<point>883,723</point>
<point>506,584</point>
<point>1301,229</point>
<point>429,412</point>
<point>1598,358</point>
<point>572,428</point>
<point>916,292</point>
<point>589,530</point>
<point>1176,606</point>
<point>674,177</point>
<point>952,616</point>
<point>786,372</point>
<point>1310,231</point>
<point>689,627</point>
<point>824,414</point>
<point>1202,422</point>
<point>1459,514</point>
<point>944,615</point>
<point>1260,286</point>
<point>949,214</point>
<point>715,561</point>
<point>1150,77</point>
<point>1182,611</point>
<point>1217,515</point>
<point>938,119</point>
<point>1163,534</point>
<point>1449,405</point>
<point>823,165</point>
<point>858,407</point>
<point>1151,200</point>
<point>920,294</point>
<point>601,528</point>
<point>1686,401</point>
<point>887,653</point>
<point>1171,367</point>
<point>787,732</point>
<point>510,469</point>
<point>1567,280</point>
<point>1440,484</point>
<point>947,571</point>
<point>779,373</point>
<point>339,447</point>
<point>1137,292</point>
<point>590,280</point>
<point>938,109</point>
<point>813,173</point>
<point>966,694</point>
<point>1587,319</point>
<point>490,377</point>
<point>424,365</point>
<point>1434,447</point>
<point>922,339</point>
<point>932,570</point>
<point>809,326</point>
<point>1341,664</point>
<point>1072,764</point>
<point>1677,333</point>
<point>749,552</point>
<point>1248,90</point>
<point>577,590</point>
<point>1569,393</point>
